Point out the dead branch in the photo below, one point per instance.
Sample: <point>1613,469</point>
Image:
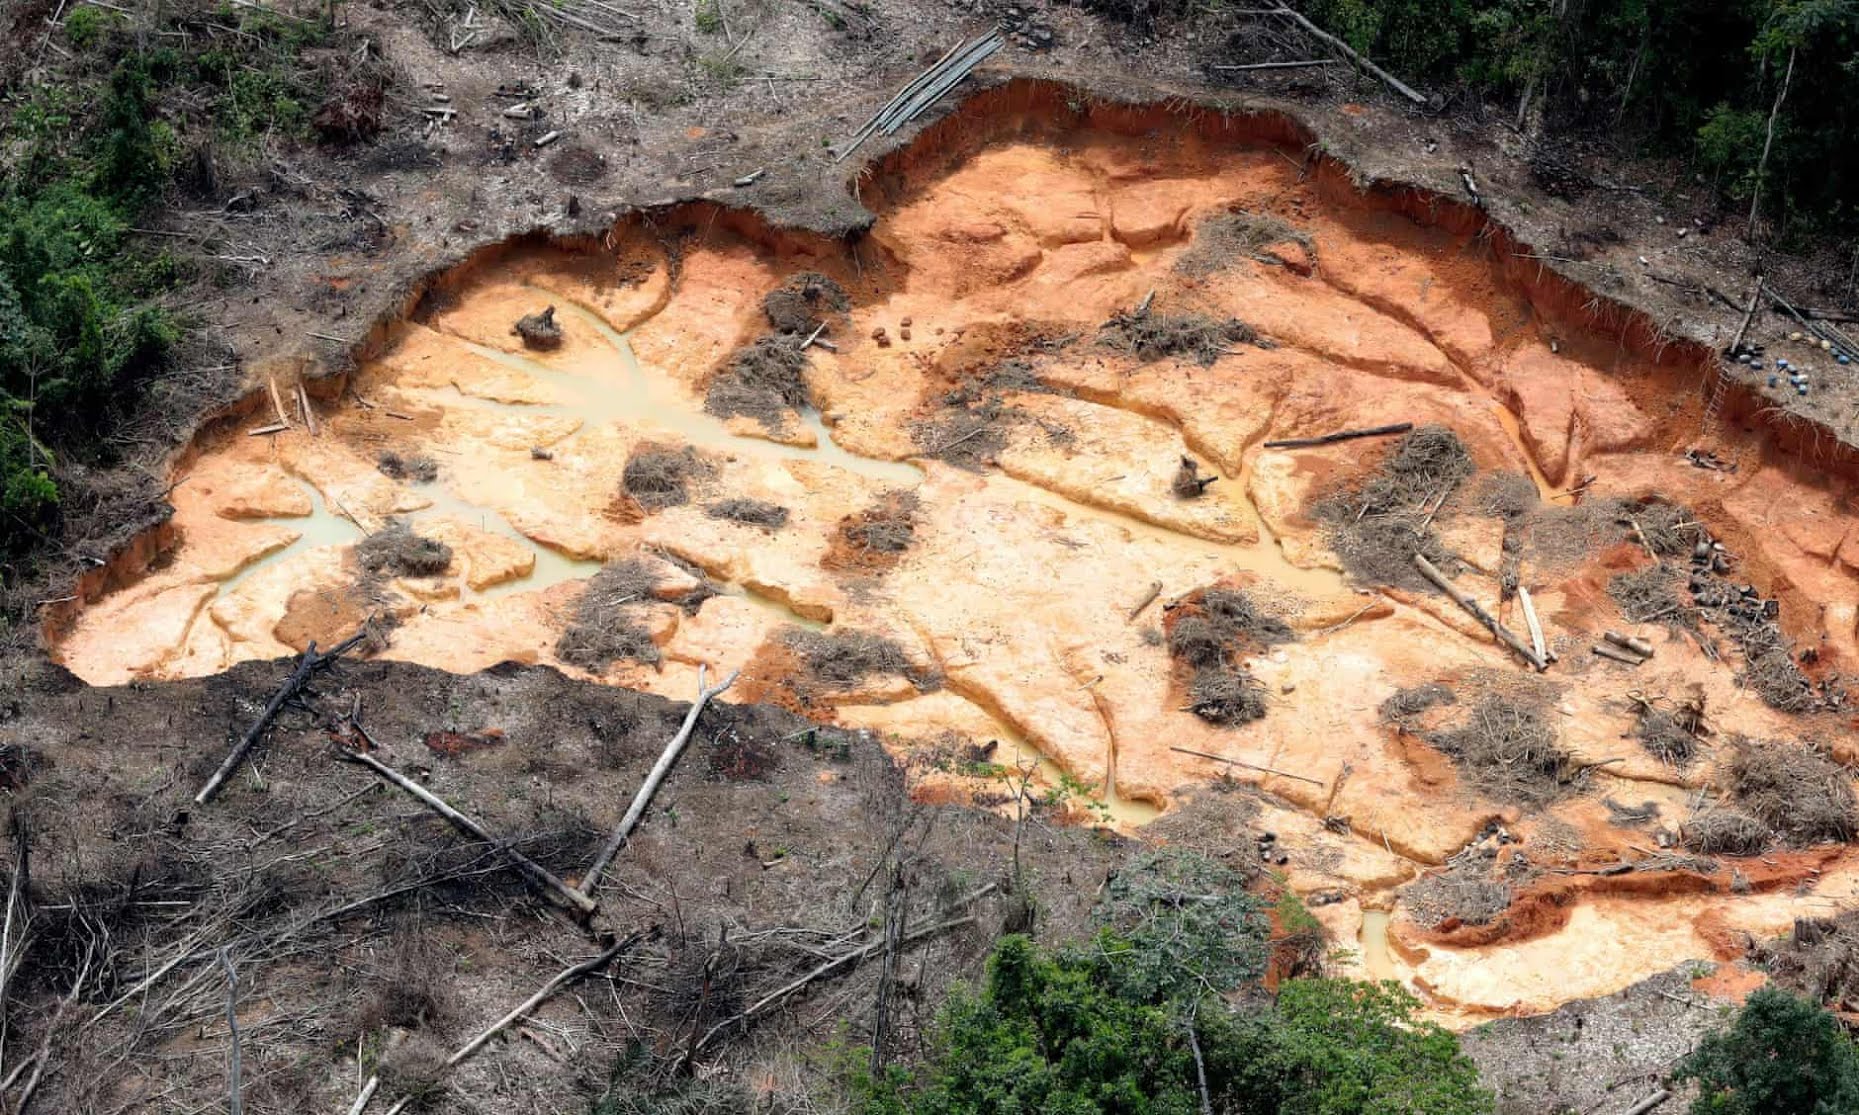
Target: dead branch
<point>1340,435</point>
<point>650,787</point>
<point>1650,1102</point>
<point>1346,51</point>
<point>1155,590</point>
<point>1248,766</point>
<point>545,880</point>
<point>561,979</point>
<point>307,667</point>
<point>1536,628</point>
<point>1472,608</point>
<point>1301,65</point>
<point>1749,315</point>
<point>235,1105</point>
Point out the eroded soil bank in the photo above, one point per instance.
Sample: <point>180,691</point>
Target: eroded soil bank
<point>985,551</point>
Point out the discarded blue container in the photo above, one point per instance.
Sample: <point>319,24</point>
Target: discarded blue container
<point>1842,358</point>
<point>1781,361</point>
<point>1773,380</point>
<point>1801,389</point>
<point>1756,364</point>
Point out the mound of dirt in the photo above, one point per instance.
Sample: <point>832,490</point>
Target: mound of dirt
<point>1225,238</point>
<point>395,551</point>
<point>764,381</point>
<point>1150,336</point>
<point>607,624</point>
<point>661,476</point>
<point>804,302</point>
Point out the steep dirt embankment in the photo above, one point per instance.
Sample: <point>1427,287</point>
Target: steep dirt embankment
<point>963,520</point>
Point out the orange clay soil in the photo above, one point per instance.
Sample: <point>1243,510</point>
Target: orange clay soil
<point>1012,239</point>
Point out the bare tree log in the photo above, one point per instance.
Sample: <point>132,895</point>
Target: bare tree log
<point>1762,164</point>
<point>1340,435</point>
<point>1625,657</point>
<point>545,880</point>
<point>1749,315</point>
<point>1472,608</point>
<point>235,1103</point>
<point>367,1093</point>
<point>1155,590</point>
<point>781,993</point>
<point>1302,65</point>
<point>1535,625</point>
<point>562,979</point>
<point>650,787</point>
<point>1248,766</point>
<point>307,666</point>
<point>1633,643</point>
<point>1650,1102</point>
<point>1348,52</point>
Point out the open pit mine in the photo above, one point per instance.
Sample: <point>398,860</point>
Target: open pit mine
<point>1129,455</point>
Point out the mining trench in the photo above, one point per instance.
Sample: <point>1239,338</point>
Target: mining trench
<point>973,393</point>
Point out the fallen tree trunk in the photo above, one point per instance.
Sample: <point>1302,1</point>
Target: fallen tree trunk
<point>1472,608</point>
<point>650,787</point>
<point>1348,52</point>
<point>1340,435</point>
<point>1537,642</point>
<point>307,666</point>
<point>545,881</point>
<point>1248,766</point>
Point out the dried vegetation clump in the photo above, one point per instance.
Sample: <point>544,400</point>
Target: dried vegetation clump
<point>417,467</point>
<point>1507,749</point>
<point>1726,832</point>
<point>837,661</point>
<point>1651,595</point>
<point>1377,528</point>
<point>1209,635</point>
<point>1224,238</point>
<point>660,476</point>
<point>1151,336</point>
<point>754,512</point>
<point>1405,705</point>
<point>1794,789</point>
<point>395,551</point>
<point>415,1070</point>
<point>874,539</point>
<point>764,381</point>
<point>607,625</point>
<point>804,302</point>
<point>1465,893</point>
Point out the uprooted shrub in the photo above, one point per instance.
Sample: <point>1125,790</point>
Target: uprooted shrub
<point>755,512</point>
<point>1378,527</point>
<point>1507,749</point>
<point>607,624</point>
<point>660,476</point>
<point>1667,735</point>
<point>1794,789</point>
<point>415,1070</point>
<point>395,551</point>
<point>802,303</point>
<point>1209,635</point>
<point>764,381</point>
<point>1151,336</point>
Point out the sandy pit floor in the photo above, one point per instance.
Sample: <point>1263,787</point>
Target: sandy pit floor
<point>1032,607</point>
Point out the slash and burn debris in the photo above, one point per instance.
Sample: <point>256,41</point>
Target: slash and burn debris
<point>1378,527</point>
<point>875,539</point>
<point>805,302</point>
<point>1150,336</point>
<point>660,476</point>
<point>395,551</point>
<point>1210,633</point>
<point>539,330</point>
<point>1224,238</point>
<point>607,625</point>
<point>1507,749</point>
<point>417,467</point>
<point>753,512</point>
